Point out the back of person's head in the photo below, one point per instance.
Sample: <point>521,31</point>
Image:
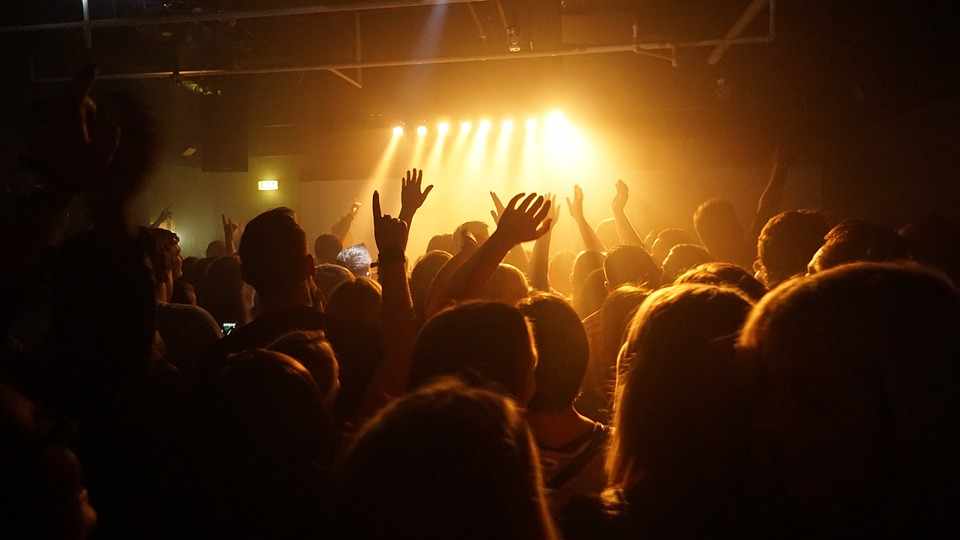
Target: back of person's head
<point>681,258</point>
<point>787,243</point>
<point>856,397</point>
<point>447,461</point>
<point>313,351</point>
<point>486,343</point>
<point>615,315</point>
<point>43,494</point>
<point>216,249</point>
<point>273,252</point>
<point>607,233</point>
<point>666,239</point>
<point>507,284</point>
<point>223,292</point>
<point>562,351</point>
<point>356,301</point>
<point>356,259</point>
<point>858,241</point>
<point>719,230</point>
<point>933,241</point>
<point>560,272</point>
<point>478,229</point>
<point>183,293</point>
<point>592,294</point>
<point>422,276</point>
<point>631,265</point>
<point>442,242</point>
<point>162,249</point>
<point>583,265</point>
<point>189,266</point>
<point>326,248</point>
<point>679,411</point>
<point>328,276</point>
<point>724,275</point>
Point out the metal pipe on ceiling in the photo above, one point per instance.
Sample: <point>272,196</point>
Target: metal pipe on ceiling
<point>117,22</point>
<point>607,49</point>
<point>749,14</point>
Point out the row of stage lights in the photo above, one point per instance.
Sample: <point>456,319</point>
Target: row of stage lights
<point>553,120</point>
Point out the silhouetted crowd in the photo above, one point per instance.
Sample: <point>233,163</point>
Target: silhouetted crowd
<point>794,379</point>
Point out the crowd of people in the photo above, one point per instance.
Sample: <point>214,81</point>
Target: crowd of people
<point>794,379</point>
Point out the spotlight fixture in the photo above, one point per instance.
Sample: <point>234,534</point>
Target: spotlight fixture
<point>268,185</point>
<point>531,124</point>
<point>397,131</point>
<point>484,125</point>
<point>507,125</point>
<point>513,39</point>
<point>421,130</point>
<point>465,127</point>
<point>443,128</point>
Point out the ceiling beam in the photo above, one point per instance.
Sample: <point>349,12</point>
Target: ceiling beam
<point>749,14</point>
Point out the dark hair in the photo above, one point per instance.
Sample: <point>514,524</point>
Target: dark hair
<point>592,294</point>
<point>183,293</point>
<point>162,249</point>
<point>448,461</point>
<point>507,284</point>
<point>562,351</point>
<point>681,258</point>
<point>856,382</point>
<point>933,241</point>
<point>719,230</point>
<point>615,316</point>
<point>221,292</point>
<point>326,247</point>
<point>216,249</point>
<point>724,275</point>
<point>788,242</point>
<point>329,276</point>
<point>358,301</point>
<point>442,242</point>
<point>630,265</point>
<point>560,272</point>
<point>583,265</point>
<point>666,239</point>
<point>311,348</point>
<point>422,276</point>
<point>486,343</point>
<point>273,250</point>
<point>858,241</point>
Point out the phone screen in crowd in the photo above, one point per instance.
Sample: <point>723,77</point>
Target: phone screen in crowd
<point>228,327</point>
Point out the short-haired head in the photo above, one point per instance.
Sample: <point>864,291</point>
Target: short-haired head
<point>787,243</point>
<point>273,252</point>
<point>631,265</point>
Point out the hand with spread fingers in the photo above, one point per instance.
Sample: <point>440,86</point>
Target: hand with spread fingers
<point>411,195</point>
<point>523,221</point>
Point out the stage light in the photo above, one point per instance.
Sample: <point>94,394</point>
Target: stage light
<point>421,130</point>
<point>507,125</point>
<point>268,185</point>
<point>397,131</point>
<point>556,120</point>
<point>484,125</point>
<point>531,124</point>
<point>443,128</point>
<point>465,127</point>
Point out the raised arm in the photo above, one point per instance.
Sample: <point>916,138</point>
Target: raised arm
<point>540,267</point>
<point>411,196</point>
<point>591,241</point>
<point>772,197</point>
<point>628,235</point>
<point>341,228</point>
<point>165,215</point>
<point>231,231</point>
<point>516,256</point>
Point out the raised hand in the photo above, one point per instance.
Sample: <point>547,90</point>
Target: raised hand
<point>165,215</point>
<point>342,226</point>
<point>411,196</point>
<point>230,229</point>
<point>620,200</point>
<point>389,232</point>
<point>576,207</point>
<point>497,208</point>
<point>554,214</point>
<point>523,221</point>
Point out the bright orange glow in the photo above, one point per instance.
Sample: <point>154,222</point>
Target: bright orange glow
<point>397,131</point>
<point>465,127</point>
<point>268,185</point>
<point>507,125</point>
<point>484,126</point>
<point>421,130</point>
<point>531,124</point>
<point>443,128</point>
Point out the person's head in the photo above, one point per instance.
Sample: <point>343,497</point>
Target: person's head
<point>719,230</point>
<point>356,301</point>
<point>507,284</point>
<point>858,241</point>
<point>273,252</point>
<point>422,276</point>
<point>329,276</point>
<point>314,352</point>
<point>678,412</point>
<point>189,266</point>
<point>583,265</point>
<point>325,248</point>
<point>442,242</point>
<point>562,351</point>
<point>665,240</point>
<point>163,252</point>
<point>560,271</point>
<point>43,495</point>
<point>183,293</point>
<point>856,390</point>
<point>356,259</point>
<point>478,229</point>
<point>724,275</point>
<point>447,461</point>
<point>607,233</point>
<point>216,249</point>
<point>487,343</point>
<point>787,243</point>
<point>631,265</point>
<point>224,294</point>
<point>933,241</point>
<point>615,315</point>
<point>681,258</point>
<point>592,294</point>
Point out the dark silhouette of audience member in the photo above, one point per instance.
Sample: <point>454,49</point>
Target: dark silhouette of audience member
<point>442,242</point>
<point>720,232</point>
<point>183,293</point>
<point>422,276</point>
<point>224,293</point>
<point>447,461</point>
<point>484,343</point>
<point>216,249</point>
<point>584,264</point>
<point>681,258</point>
<point>787,243</point>
<point>357,301</point>
<point>326,247</point>
<point>933,241</point>
<point>724,275</point>
<point>561,272</point>
<point>275,262</point>
<point>327,277</point>
<point>855,412</point>
<point>666,239</point>
<point>631,265</point>
<point>674,462</point>
<point>858,241</point>
<point>507,284</point>
<point>314,352</point>
<point>592,294</point>
<point>571,445</point>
